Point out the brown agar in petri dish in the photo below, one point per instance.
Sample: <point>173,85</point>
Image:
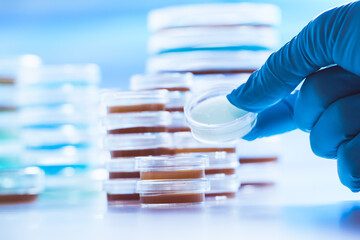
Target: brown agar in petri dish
<point>176,174</point>
<point>136,108</point>
<point>123,197</point>
<point>174,129</point>
<point>17,198</point>
<point>226,171</point>
<point>255,160</point>
<point>175,198</point>
<point>221,194</point>
<point>172,192</point>
<point>172,167</point>
<point>203,150</point>
<point>151,129</point>
<point>118,174</point>
<point>7,80</point>
<point>141,152</point>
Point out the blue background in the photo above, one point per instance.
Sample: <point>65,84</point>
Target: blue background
<point>111,33</point>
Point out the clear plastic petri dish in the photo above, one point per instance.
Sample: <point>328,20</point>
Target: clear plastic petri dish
<point>122,168</point>
<point>135,101</point>
<point>121,192</point>
<point>222,186</point>
<point>214,15</point>
<point>172,167</point>
<point>169,81</point>
<point>200,38</point>
<point>262,172</point>
<point>20,185</point>
<point>172,192</point>
<point>139,122</point>
<point>222,163</point>
<point>178,123</point>
<point>138,145</point>
<point>212,118</point>
<point>208,62</point>
<point>177,100</point>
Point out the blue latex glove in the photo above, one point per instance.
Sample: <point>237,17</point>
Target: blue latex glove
<point>328,103</point>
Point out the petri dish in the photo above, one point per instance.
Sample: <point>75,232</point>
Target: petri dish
<point>169,81</point>
<point>138,122</point>
<point>213,38</point>
<point>122,168</point>
<point>135,101</point>
<point>222,186</point>
<point>214,15</point>
<point>213,119</point>
<point>138,145</point>
<point>208,62</point>
<point>20,185</point>
<point>121,192</point>
<point>172,167</point>
<point>172,192</point>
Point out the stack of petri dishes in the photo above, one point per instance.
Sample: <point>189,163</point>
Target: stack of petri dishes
<point>59,105</point>
<point>137,125</point>
<point>223,155</point>
<point>213,41</point>
<point>18,182</point>
<point>172,180</point>
<point>221,172</point>
<point>179,87</point>
<point>219,43</point>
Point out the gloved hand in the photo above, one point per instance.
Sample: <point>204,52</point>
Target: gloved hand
<point>328,103</point>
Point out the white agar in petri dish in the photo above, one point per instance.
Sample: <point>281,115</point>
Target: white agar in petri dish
<point>216,110</point>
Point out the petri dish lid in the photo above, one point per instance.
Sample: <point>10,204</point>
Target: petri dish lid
<point>21,181</point>
<point>137,141</point>
<point>214,14</point>
<point>150,163</point>
<point>205,61</point>
<point>219,158</point>
<point>128,98</point>
<point>214,38</point>
<point>223,183</point>
<point>220,132</point>
<point>138,119</point>
<point>55,75</point>
<point>172,186</point>
<point>120,186</point>
<point>123,164</point>
<point>161,81</point>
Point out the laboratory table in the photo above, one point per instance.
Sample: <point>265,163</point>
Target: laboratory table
<point>308,203</point>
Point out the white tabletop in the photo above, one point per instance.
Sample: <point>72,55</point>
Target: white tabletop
<point>308,203</point>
